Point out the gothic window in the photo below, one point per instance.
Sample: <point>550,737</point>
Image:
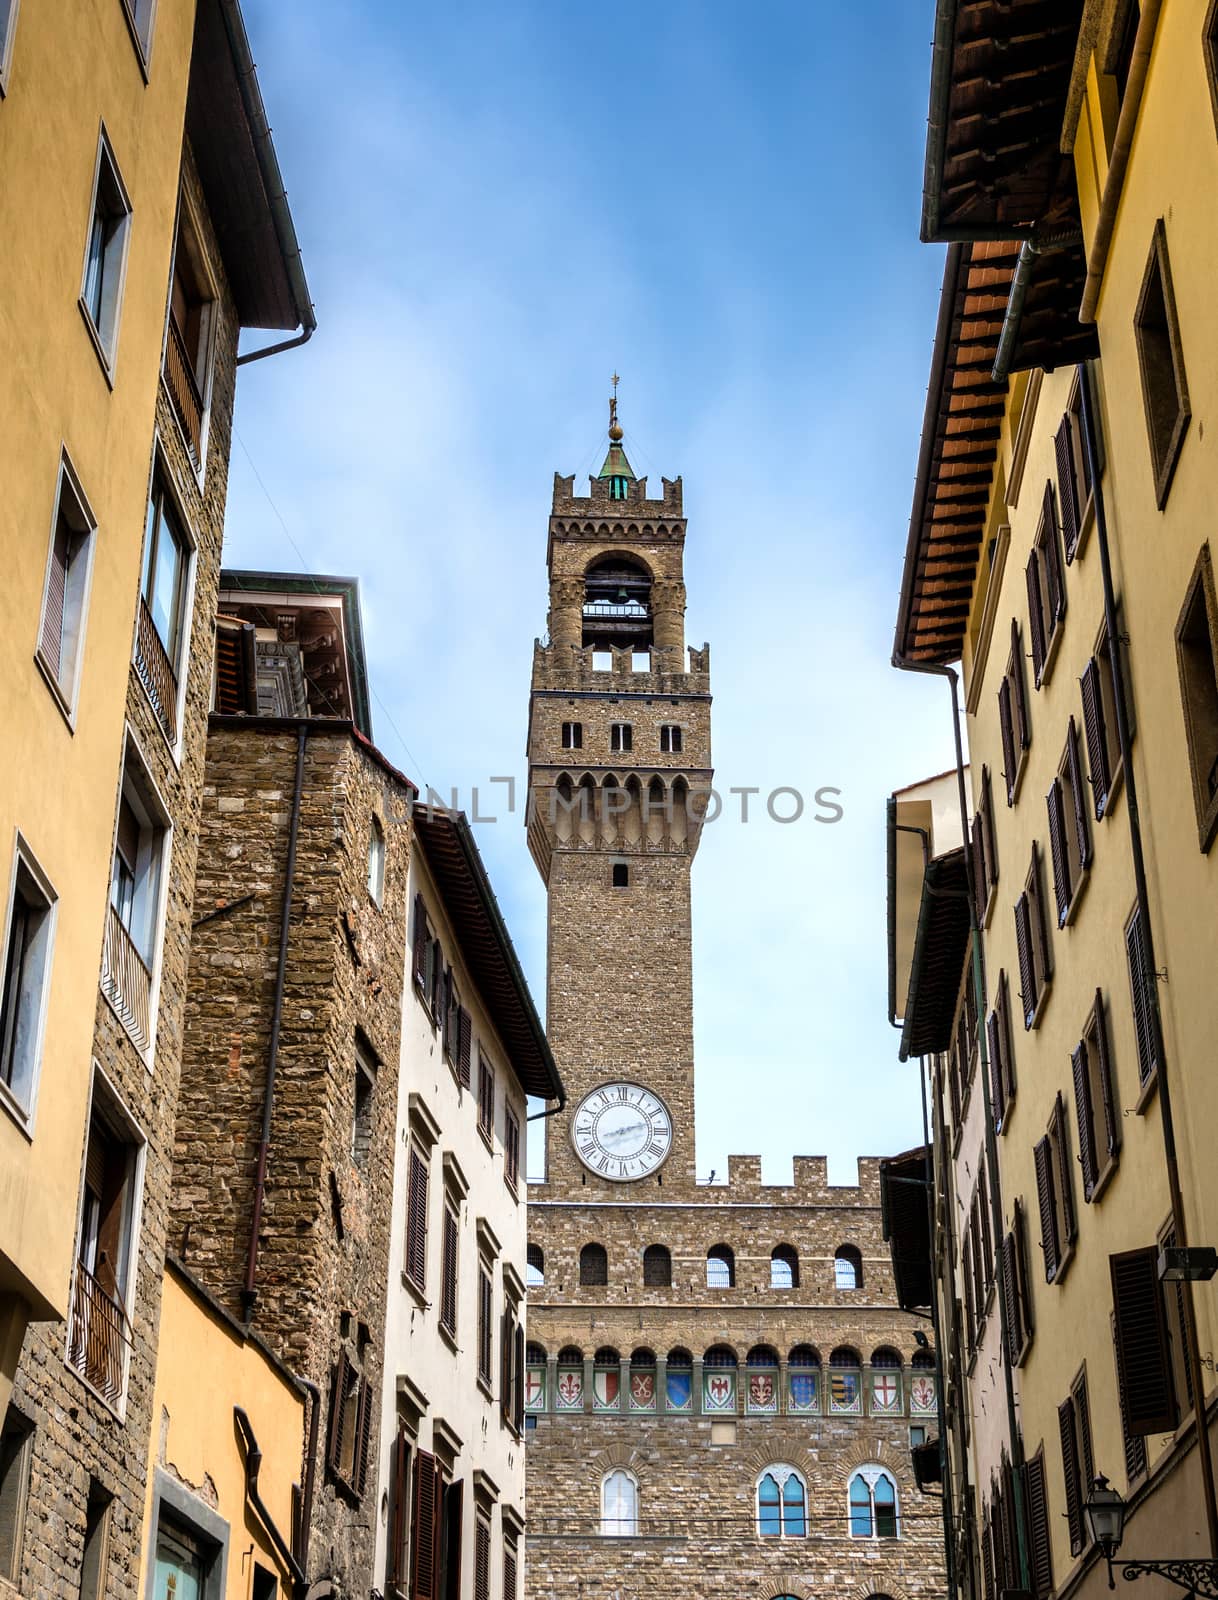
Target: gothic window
<point>593,1266</point>
<point>784,1267</point>
<point>535,1267</point>
<point>720,1267</point>
<point>619,1504</point>
<point>657,1267</point>
<point>848,1268</point>
<point>782,1504</point>
<point>873,1505</point>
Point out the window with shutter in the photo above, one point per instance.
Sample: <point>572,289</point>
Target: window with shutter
<point>1144,1367</point>
<point>1071,1470</point>
<point>1063,1174</point>
<point>1036,614</point>
<point>1006,724</point>
<point>1013,716</point>
<point>510,1590</point>
<point>416,1220</point>
<point>1019,690</point>
<point>507,1325</point>
<point>987,1237</point>
<point>1067,484</point>
<point>1023,1280</point>
<point>425,1538</point>
<point>485,1331</point>
<point>1049,1242</point>
<point>1027,969</point>
<point>1085,1114</point>
<point>454,1508</point>
<point>511,1149</point>
<point>1096,729</point>
<point>1103,1081</point>
<point>1040,1552</point>
<point>1072,777</point>
<point>1042,952</point>
<point>987,1557</point>
<point>397,1569</point>
<point>1062,883</point>
<point>1140,981</point>
<point>981,892</point>
<point>486,1098</point>
<point>1012,1325</point>
<point>364,1429</point>
<point>1082,1417</point>
<point>450,1009</point>
<point>422,943</point>
<point>1049,550</point>
<point>518,1357</point>
<point>448,1272</point>
<point>346,1443</point>
<point>464,1047</point>
<point>482,1558</point>
<point>1135,1444</point>
<point>1161,359</point>
<point>1197,663</point>
<point>970,1304</point>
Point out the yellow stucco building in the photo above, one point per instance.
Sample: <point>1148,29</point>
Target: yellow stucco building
<point>1059,551</point>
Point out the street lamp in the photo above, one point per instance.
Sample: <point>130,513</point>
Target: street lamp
<point>1105,1510</point>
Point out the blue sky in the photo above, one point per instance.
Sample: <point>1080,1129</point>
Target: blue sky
<point>500,205</point>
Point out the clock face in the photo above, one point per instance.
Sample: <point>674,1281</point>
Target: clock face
<point>622,1131</point>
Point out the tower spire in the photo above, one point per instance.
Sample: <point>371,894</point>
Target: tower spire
<point>616,466</point>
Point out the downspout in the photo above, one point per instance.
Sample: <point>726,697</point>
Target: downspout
<point>305,1530</point>
<point>934,669</point>
<point>1118,644</point>
<point>250,1292</point>
<point>945,1465</point>
<point>253,1465</point>
<point>1118,161</point>
<point>1055,239</point>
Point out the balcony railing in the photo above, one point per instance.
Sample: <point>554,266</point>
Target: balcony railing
<point>634,611</point>
<point>98,1337</point>
<point>156,673</point>
<point>184,388</point>
<point>126,981</point>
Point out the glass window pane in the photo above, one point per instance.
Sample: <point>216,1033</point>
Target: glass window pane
<point>794,1522</point>
<point>769,1520</point>
<point>860,1510</point>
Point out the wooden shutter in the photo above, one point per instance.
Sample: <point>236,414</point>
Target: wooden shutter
<point>419,964</point>
<point>1074,1501</point>
<point>1024,1287</point>
<point>1040,1551</point>
<point>1004,1034</point>
<point>1062,888</point>
<point>51,642</point>
<point>983,1212</point>
<point>464,1046</point>
<point>484,1326</point>
<point>363,1444</point>
<point>1064,1175</point>
<point>448,1287</point>
<point>342,1373</point>
<point>425,1534</point>
<point>1027,970</point>
<point>509,1574</point>
<point>1023,731</point>
<point>1086,1456</point>
<point>416,1220</point>
<point>987,1556</point>
<point>1010,761</point>
<point>1112,1123</point>
<point>987,814</point>
<point>1049,1241</point>
<point>518,1378</point>
<point>1010,1301</point>
<point>1067,486</point>
<point>1086,1117</point>
<point>1143,1355</point>
<point>1054,584</point>
<point>1097,737</point>
<point>1036,907</point>
<point>482,1560</point>
<point>1135,1445</point>
<point>505,1365</point>
<point>1074,767</point>
<point>970,1304</point>
<point>1143,1022</point>
<point>980,879</point>
<point>997,1078</point>
<point>448,1031</point>
<point>454,1500</point>
<point>1036,615</point>
<point>397,1575</point>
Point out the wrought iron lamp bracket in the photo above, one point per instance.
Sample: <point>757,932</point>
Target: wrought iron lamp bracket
<point>1195,1577</point>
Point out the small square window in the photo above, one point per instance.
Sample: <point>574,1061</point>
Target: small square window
<point>61,631</point>
<point>106,253</point>
<point>621,875</point>
<point>1161,359</point>
<point>621,737</point>
<point>670,739</point>
<point>572,735</point>
<point>365,1099</point>
<point>26,967</point>
<point>1197,659</point>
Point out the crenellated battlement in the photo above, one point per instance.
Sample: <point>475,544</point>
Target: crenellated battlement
<point>567,503</point>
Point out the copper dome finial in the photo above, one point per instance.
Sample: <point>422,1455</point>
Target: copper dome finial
<point>615,427</point>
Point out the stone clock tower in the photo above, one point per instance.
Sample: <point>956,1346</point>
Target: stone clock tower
<point>619,767</point>
<point>716,1373</point>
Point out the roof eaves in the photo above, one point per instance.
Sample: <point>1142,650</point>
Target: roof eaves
<point>940,946</point>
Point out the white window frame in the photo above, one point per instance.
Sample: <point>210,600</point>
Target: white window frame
<point>162,475</point>
<point>141,28</point>
<point>66,692</point>
<point>8,28</point>
<point>23,857</point>
<point>152,800</point>
<point>138,1141</point>
<point>107,351</point>
<point>620,1527</point>
<point>781,1472</point>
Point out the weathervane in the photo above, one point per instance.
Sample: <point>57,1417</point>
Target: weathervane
<point>615,430</point>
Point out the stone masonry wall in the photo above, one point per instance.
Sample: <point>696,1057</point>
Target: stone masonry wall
<point>78,1436</point>
<point>324,1240</point>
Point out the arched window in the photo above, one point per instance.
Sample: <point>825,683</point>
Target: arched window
<point>607,1356</point>
<point>804,1355</point>
<point>923,1358</point>
<point>657,1267</point>
<point>570,1356</point>
<point>534,1377</point>
<point>873,1505</point>
<point>376,861</point>
<point>535,1354</point>
<point>848,1268</point>
<point>535,1267</point>
<point>619,1504</point>
<point>762,1355</point>
<point>719,1355</point>
<point>784,1267</point>
<point>782,1504</point>
<point>720,1267</point>
<point>593,1266</point>
<point>886,1356</point>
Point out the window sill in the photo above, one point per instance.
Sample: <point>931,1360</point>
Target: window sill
<point>1114,789</point>
<point>57,694</point>
<point>1086,522</point>
<point>418,1294</point>
<point>991,900</point>
<point>449,1335</point>
<point>23,1118</point>
<point>1042,1000</point>
<point>1052,648</point>
<point>1207,825</point>
<point>1063,1266</point>
<point>1021,766</point>
<point>484,1384</point>
<point>513,1189</point>
<point>1080,888</point>
<point>99,349</point>
<point>141,50</point>
<point>1147,1092</point>
<point>487,1136</point>
<point>1105,1178</point>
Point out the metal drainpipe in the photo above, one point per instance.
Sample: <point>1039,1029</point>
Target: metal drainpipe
<point>949,1541</point>
<point>933,669</point>
<point>253,1465</point>
<point>1052,239</point>
<point>1118,646</point>
<point>249,1293</point>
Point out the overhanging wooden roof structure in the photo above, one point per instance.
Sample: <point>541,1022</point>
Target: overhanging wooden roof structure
<point>905,1218</point>
<point>939,952</point>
